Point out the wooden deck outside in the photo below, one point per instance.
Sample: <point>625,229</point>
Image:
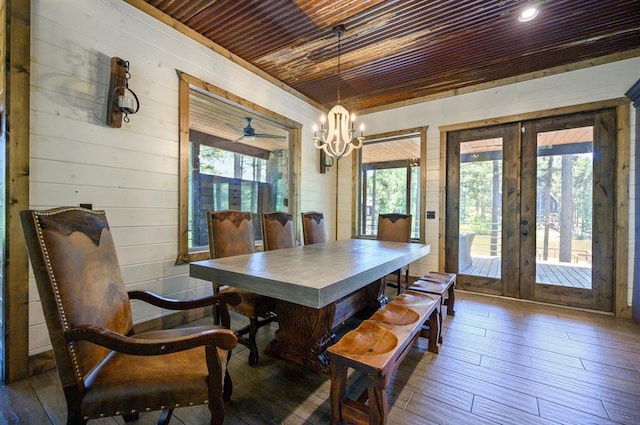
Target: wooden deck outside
<point>573,275</point>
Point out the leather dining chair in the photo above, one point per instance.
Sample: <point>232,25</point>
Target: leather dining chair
<point>278,231</point>
<point>313,228</point>
<point>231,233</point>
<point>105,368</point>
<point>396,228</point>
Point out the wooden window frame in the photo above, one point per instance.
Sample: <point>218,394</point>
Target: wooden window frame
<point>357,178</point>
<point>187,82</point>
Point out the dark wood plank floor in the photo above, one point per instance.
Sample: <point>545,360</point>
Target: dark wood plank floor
<point>502,361</point>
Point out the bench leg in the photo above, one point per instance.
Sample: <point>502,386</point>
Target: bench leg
<point>433,334</point>
<point>434,324</point>
<point>378,402</point>
<point>451,300</point>
<point>338,387</point>
<point>440,322</point>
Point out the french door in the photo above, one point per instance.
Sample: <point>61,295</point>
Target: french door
<point>530,209</point>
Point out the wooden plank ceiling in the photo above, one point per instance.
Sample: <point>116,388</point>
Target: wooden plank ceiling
<point>403,51</point>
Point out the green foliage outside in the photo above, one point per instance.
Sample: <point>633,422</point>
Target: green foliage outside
<point>390,188</point>
<point>386,193</point>
<point>476,187</point>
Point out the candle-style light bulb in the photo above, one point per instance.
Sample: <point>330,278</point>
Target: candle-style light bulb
<point>353,119</point>
<point>361,129</point>
<point>315,131</point>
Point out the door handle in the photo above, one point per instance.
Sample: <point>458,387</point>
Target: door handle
<point>524,222</point>
<point>525,232</point>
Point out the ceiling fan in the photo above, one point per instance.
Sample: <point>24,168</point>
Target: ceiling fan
<point>249,133</point>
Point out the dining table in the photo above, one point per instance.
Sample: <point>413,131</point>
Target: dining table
<point>316,287</point>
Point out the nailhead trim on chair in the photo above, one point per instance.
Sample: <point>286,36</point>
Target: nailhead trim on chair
<point>64,317</point>
<point>146,409</point>
<point>74,357</point>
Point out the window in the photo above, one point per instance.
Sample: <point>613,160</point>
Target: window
<point>234,156</point>
<point>391,171</point>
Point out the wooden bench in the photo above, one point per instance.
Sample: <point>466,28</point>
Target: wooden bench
<point>376,348</point>
<point>438,283</point>
<point>582,253</point>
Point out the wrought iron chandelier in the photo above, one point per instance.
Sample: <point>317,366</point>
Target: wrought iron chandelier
<point>337,135</point>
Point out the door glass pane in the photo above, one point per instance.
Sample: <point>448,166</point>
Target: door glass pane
<point>480,215</point>
<point>564,207</point>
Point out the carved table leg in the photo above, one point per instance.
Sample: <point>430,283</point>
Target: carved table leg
<point>305,333</point>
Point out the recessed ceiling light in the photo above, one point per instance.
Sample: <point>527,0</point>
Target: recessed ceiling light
<point>529,14</point>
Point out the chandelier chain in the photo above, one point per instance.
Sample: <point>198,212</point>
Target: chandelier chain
<point>339,52</point>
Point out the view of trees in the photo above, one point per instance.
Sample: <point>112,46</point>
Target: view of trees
<point>479,180</point>
<point>564,202</point>
<point>385,192</point>
<point>219,162</point>
<point>221,179</point>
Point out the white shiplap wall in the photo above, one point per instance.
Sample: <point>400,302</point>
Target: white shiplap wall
<point>131,172</point>
<point>571,88</point>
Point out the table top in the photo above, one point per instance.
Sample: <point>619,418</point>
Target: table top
<point>312,275</point>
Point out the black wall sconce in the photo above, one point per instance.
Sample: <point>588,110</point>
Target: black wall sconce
<point>325,161</point>
<point>122,100</point>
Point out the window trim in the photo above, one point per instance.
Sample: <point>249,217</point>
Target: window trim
<point>186,83</point>
<point>357,177</point>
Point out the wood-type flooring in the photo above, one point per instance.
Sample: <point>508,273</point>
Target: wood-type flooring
<point>502,362</point>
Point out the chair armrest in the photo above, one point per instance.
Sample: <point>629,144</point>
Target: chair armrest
<point>223,338</point>
<point>230,298</point>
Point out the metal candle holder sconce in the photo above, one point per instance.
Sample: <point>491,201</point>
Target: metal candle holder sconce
<point>122,100</point>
